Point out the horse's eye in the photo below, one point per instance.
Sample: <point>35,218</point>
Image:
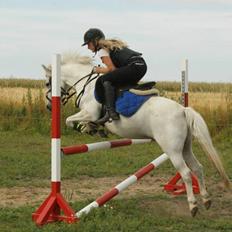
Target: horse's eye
<point>47,84</point>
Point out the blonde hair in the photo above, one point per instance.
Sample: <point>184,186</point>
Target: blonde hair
<point>111,44</point>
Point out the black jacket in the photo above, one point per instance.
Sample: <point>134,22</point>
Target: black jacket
<point>121,57</point>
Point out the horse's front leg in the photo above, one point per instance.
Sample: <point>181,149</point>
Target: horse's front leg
<point>84,122</point>
<point>82,116</point>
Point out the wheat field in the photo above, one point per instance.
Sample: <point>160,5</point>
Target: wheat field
<point>25,99</point>
<point>17,95</point>
<point>198,100</point>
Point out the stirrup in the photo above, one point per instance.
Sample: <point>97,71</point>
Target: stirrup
<point>113,115</point>
<point>104,119</point>
<point>109,116</point>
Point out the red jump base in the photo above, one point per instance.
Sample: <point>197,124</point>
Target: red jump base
<point>178,189</point>
<point>51,208</point>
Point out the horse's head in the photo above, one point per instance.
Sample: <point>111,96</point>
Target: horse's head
<point>64,93</point>
<point>75,71</point>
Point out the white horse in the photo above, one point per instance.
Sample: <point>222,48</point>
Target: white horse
<point>168,123</point>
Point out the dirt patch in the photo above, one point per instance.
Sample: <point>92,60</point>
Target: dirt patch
<point>82,189</point>
<point>20,196</point>
<point>87,188</point>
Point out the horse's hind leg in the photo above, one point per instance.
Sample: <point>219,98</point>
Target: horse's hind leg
<point>197,169</point>
<point>171,137</point>
<point>179,163</point>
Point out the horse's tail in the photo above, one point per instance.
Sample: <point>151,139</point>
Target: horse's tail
<point>199,129</point>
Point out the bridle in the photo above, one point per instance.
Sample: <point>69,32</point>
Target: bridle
<point>71,91</point>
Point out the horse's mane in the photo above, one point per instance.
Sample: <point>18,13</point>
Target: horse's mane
<point>74,57</point>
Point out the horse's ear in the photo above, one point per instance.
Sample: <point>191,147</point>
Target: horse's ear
<point>46,69</point>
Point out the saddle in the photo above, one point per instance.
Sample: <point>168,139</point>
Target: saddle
<point>141,89</point>
<point>130,99</point>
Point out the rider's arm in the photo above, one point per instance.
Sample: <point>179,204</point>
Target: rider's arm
<point>109,65</point>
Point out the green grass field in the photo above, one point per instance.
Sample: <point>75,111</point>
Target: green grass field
<point>25,163</point>
<point>25,178</point>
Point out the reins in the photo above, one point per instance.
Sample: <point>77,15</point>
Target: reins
<point>79,96</point>
<point>67,94</point>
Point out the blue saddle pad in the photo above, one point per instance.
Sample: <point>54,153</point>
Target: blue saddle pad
<point>128,103</point>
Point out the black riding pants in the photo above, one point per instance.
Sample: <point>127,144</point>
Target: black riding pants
<point>122,77</point>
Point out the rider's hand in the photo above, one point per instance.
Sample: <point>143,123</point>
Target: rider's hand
<point>96,69</point>
<point>101,70</point>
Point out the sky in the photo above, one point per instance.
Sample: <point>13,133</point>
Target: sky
<point>165,31</point>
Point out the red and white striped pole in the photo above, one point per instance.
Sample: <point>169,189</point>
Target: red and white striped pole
<point>56,162</point>
<point>123,185</point>
<point>51,208</point>
<point>82,148</point>
<point>184,83</point>
<point>172,186</point>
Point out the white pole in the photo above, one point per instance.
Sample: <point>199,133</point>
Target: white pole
<point>56,161</point>
<point>184,82</point>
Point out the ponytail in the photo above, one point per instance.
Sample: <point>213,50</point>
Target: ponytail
<point>111,44</point>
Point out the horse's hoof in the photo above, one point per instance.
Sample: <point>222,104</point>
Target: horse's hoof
<point>92,132</point>
<point>207,204</point>
<point>76,127</point>
<point>194,211</point>
<point>102,134</point>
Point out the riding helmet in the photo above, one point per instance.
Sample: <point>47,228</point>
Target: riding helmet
<point>92,35</point>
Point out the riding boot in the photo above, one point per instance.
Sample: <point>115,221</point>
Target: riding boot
<point>110,114</point>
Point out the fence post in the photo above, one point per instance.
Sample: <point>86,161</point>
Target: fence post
<point>172,186</point>
<point>50,209</point>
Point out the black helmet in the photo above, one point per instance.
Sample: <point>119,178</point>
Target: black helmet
<point>93,34</point>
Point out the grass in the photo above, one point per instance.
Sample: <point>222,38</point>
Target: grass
<point>139,214</point>
<point>25,158</point>
<point>25,161</point>
<point>23,104</point>
<point>23,83</point>
<point>19,95</point>
<point>29,159</point>
<point>164,85</point>
<point>216,108</point>
<point>21,166</point>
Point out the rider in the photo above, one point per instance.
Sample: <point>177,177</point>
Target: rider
<point>123,67</point>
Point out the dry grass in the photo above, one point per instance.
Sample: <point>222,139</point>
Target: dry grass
<point>197,100</point>
<point>25,83</point>
<point>206,100</point>
<point>27,102</point>
<point>216,108</point>
<point>18,94</point>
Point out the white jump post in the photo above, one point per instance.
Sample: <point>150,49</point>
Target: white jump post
<point>172,186</point>
<point>51,208</point>
<point>55,160</point>
<point>184,83</point>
